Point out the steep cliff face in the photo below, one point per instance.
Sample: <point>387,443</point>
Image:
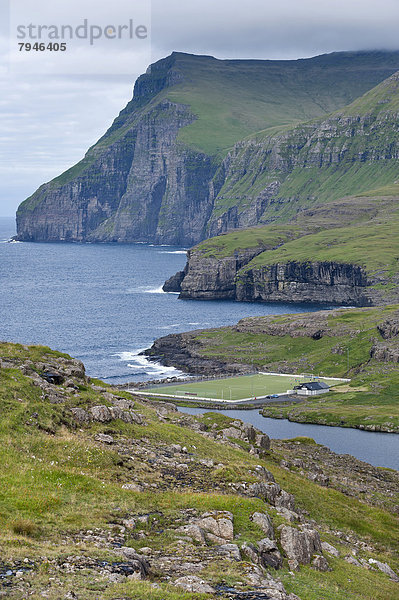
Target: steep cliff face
<point>135,190</point>
<point>155,174</point>
<point>321,282</point>
<point>166,180</point>
<point>209,278</point>
<point>135,182</point>
<point>326,282</point>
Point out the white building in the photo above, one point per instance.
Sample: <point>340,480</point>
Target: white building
<point>313,388</point>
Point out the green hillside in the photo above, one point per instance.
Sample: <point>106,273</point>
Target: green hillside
<point>233,98</point>
<point>359,229</point>
<point>359,344</point>
<point>353,150</point>
<point>106,506</point>
<point>345,252</point>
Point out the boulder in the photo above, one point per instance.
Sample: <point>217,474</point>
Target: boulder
<point>269,554</point>
<point>192,583</point>
<point>319,478</point>
<point>385,568</point>
<point>69,383</point>
<point>133,487</point>
<point>263,441</point>
<point>80,415</point>
<point>352,560</point>
<point>264,474</point>
<point>251,551</point>
<point>266,586</point>
<point>232,551</point>
<point>326,547</point>
<point>264,522</point>
<point>105,439</point>
<point>102,414</point>
<point>218,524</point>
<point>138,562</point>
<point>288,515</point>
<point>123,403</point>
<point>312,539</point>
<point>73,368</point>
<point>300,545</point>
<point>266,491</point>
<point>175,448</point>
<point>264,554</point>
<point>123,415</point>
<point>129,523</point>
<point>231,432</point>
<point>285,500</point>
<point>248,432</point>
<point>320,563</point>
<point>193,531</point>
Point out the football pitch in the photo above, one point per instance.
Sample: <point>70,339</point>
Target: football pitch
<point>237,388</point>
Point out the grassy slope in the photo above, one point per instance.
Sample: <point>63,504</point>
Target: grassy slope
<point>319,183</point>
<point>361,229</point>
<point>234,98</point>
<point>373,246</point>
<point>57,481</point>
<point>372,398</point>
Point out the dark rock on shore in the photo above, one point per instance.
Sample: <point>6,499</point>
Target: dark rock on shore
<point>181,350</point>
<point>173,284</point>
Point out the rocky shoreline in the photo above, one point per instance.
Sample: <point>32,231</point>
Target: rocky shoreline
<point>180,350</point>
<point>215,353</point>
<point>329,283</point>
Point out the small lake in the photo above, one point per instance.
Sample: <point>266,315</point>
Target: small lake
<point>378,449</point>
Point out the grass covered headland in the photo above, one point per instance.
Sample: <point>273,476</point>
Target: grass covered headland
<point>105,497</point>
<point>359,344</point>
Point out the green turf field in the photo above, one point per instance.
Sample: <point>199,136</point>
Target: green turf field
<point>235,388</point>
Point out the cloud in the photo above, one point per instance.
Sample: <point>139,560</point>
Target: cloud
<point>269,29</point>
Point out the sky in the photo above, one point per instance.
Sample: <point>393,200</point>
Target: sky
<point>54,105</point>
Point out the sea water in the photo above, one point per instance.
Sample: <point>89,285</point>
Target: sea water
<point>103,303</point>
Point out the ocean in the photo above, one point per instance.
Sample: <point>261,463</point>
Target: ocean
<point>103,303</point>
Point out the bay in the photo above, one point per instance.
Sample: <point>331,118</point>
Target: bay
<point>103,303</point>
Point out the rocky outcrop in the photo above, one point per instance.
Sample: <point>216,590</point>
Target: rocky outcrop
<point>173,284</point>
<point>385,353</point>
<point>183,352</point>
<point>209,278</point>
<point>228,278</point>
<point>265,553</point>
<point>320,282</point>
<point>300,545</point>
<point>264,522</point>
